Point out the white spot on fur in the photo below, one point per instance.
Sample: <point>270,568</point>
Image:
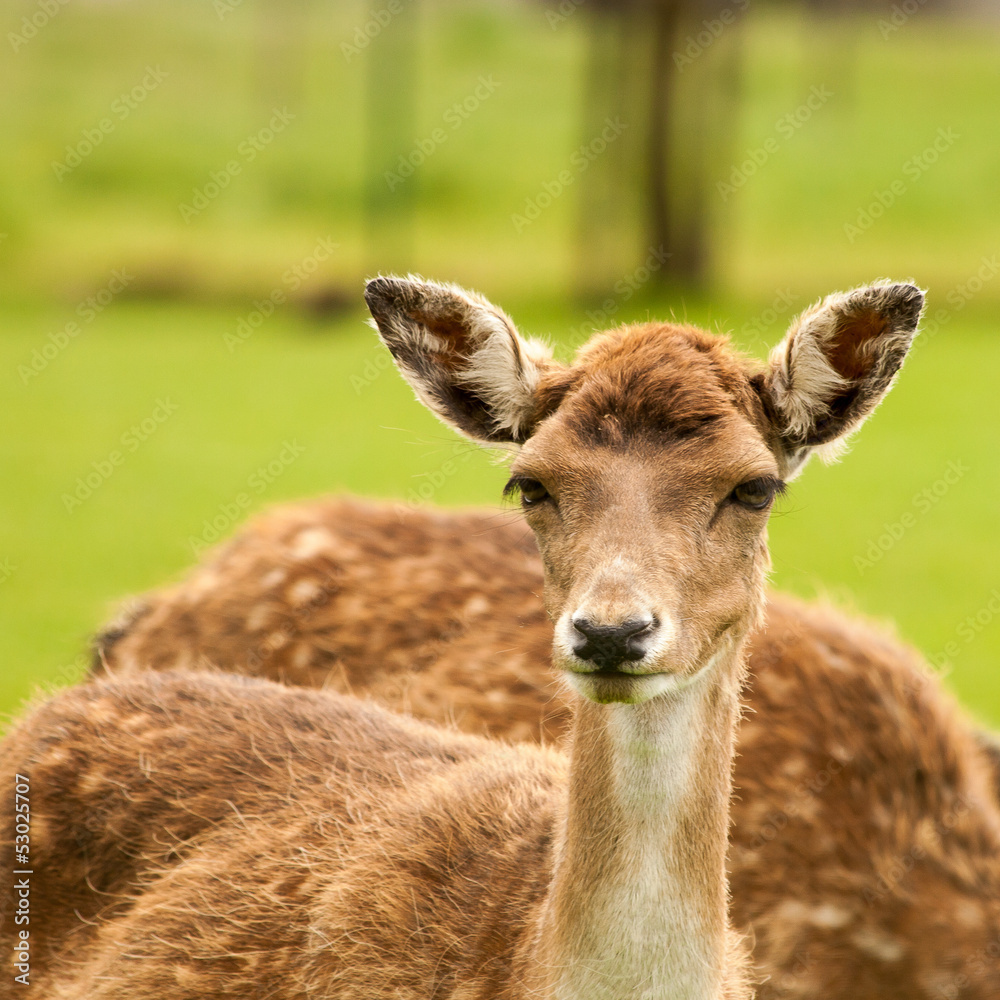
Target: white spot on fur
<point>274,579</point>
<point>304,591</point>
<point>878,945</point>
<point>828,915</point>
<point>310,542</point>
<point>89,783</point>
<point>276,640</point>
<point>969,914</point>
<point>475,606</point>
<point>204,582</point>
<point>259,618</point>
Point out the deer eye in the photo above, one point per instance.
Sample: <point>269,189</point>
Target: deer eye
<point>757,494</point>
<point>531,490</point>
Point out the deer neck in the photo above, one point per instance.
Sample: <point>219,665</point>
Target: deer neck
<point>638,902</point>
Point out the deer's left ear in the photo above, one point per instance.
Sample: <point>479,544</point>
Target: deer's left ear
<point>835,364</point>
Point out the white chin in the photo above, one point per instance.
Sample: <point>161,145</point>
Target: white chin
<point>628,689</point>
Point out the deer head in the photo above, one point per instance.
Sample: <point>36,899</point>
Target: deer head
<point>647,468</point>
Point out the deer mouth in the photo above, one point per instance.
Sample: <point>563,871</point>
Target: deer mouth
<point>608,685</point>
<point>617,673</point>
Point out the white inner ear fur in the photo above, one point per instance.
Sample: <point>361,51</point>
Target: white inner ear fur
<point>503,367</point>
<point>500,366</point>
<point>804,383</point>
<point>505,371</point>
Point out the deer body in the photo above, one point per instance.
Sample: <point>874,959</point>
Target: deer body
<point>439,614</point>
<point>317,847</point>
<point>646,471</point>
<point>330,849</point>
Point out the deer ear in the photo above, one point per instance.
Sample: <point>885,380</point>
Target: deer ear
<point>835,364</point>
<point>461,354</point>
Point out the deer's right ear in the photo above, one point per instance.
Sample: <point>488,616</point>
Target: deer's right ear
<point>461,355</point>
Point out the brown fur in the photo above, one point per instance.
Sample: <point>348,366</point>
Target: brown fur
<point>807,785</point>
<point>198,836</point>
<point>851,758</point>
<point>646,529</point>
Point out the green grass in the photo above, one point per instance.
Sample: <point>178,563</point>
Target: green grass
<point>304,381</point>
<point>327,390</point>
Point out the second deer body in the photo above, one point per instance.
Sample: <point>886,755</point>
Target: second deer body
<point>863,800</point>
<point>320,848</point>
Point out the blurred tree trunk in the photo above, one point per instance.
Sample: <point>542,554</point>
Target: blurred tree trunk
<point>679,109</point>
<point>830,45</point>
<point>607,209</point>
<point>663,227</point>
<point>391,181</point>
<point>279,55</point>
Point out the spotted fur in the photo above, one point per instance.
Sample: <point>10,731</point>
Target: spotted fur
<point>832,942</point>
<point>650,748</point>
<point>850,755</point>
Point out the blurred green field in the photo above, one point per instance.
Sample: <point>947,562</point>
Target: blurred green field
<point>784,227</point>
<point>352,424</point>
<point>314,398</point>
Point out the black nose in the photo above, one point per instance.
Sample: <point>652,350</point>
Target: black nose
<point>609,645</point>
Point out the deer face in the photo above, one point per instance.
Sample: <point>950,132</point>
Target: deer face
<point>648,467</point>
<point>648,488</point>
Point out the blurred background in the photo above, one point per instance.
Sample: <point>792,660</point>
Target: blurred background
<point>192,193</point>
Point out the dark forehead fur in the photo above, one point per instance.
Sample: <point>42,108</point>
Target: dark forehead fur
<point>656,380</point>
